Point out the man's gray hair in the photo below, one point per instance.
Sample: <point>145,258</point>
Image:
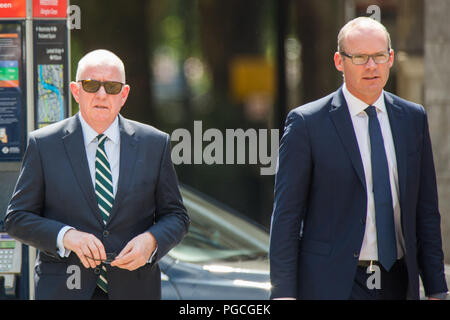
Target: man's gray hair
<point>100,57</point>
<point>360,21</point>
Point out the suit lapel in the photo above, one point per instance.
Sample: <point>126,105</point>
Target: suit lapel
<point>128,156</point>
<point>76,152</point>
<point>341,118</point>
<point>399,130</point>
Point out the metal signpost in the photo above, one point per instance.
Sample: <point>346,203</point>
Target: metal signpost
<point>34,92</point>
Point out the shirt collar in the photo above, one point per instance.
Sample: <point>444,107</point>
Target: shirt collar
<point>356,106</point>
<point>89,134</point>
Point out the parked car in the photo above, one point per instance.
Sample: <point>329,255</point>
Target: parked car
<point>223,256</point>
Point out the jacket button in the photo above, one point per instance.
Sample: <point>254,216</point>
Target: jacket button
<point>363,221</point>
<point>97,271</point>
<point>356,254</point>
<point>105,233</point>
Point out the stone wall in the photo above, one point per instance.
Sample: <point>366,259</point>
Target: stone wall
<point>437,101</point>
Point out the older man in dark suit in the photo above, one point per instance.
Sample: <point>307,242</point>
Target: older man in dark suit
<point>98,193</point>
<point>356,209</point>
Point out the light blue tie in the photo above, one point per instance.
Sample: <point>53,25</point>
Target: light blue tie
<point>104,194</point>
<point>384,212</point>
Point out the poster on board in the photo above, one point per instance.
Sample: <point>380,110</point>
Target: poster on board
<point>50,69</point>
<point>12,92</point>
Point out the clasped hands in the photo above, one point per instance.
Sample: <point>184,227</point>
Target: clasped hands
<point>87,246</point>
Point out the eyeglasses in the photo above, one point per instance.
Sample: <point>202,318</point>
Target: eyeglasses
<point>109,258</point>
<point>360,59</point>
<point>111,87</point>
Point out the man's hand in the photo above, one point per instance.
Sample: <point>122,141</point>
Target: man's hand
<point>85,245</point>
<point>136,253</point>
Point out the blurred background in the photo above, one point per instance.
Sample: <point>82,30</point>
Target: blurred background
<point>245,64</point>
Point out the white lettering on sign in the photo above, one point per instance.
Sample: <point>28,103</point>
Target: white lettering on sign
<point>48,2</point>
<point>49,12</point>
<point>47,36</point>
<point>55,51</point>
<point>47,29</point>
<point>6,5</point>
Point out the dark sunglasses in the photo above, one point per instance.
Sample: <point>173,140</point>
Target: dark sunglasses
<point>111,87</point>
<point>109,258</point>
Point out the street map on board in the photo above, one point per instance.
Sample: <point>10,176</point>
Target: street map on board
<point>50,93</point>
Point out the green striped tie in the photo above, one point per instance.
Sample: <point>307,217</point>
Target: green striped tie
<point>104,193</point>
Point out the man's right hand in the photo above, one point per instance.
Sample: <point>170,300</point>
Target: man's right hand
<point>85,245</point>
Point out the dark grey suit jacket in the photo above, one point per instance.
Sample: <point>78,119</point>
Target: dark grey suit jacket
<point>55,189</point>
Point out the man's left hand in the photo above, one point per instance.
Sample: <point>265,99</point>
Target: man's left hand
<point>136,253</point>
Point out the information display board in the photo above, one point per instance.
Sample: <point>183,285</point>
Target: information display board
<point>12,91</point>
<point>51,71</point>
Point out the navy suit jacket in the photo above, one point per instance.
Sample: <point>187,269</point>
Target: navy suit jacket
<point>55,189</point>
<point>320,189</point>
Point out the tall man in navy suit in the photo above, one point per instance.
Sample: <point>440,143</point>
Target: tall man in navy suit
<point>98,195</point>
<point>356,209</point>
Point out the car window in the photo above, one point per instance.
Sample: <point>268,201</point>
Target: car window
<point>217,235</point>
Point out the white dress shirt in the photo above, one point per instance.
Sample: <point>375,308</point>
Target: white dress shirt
<point>112,148</point>
<point>360,120</point>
